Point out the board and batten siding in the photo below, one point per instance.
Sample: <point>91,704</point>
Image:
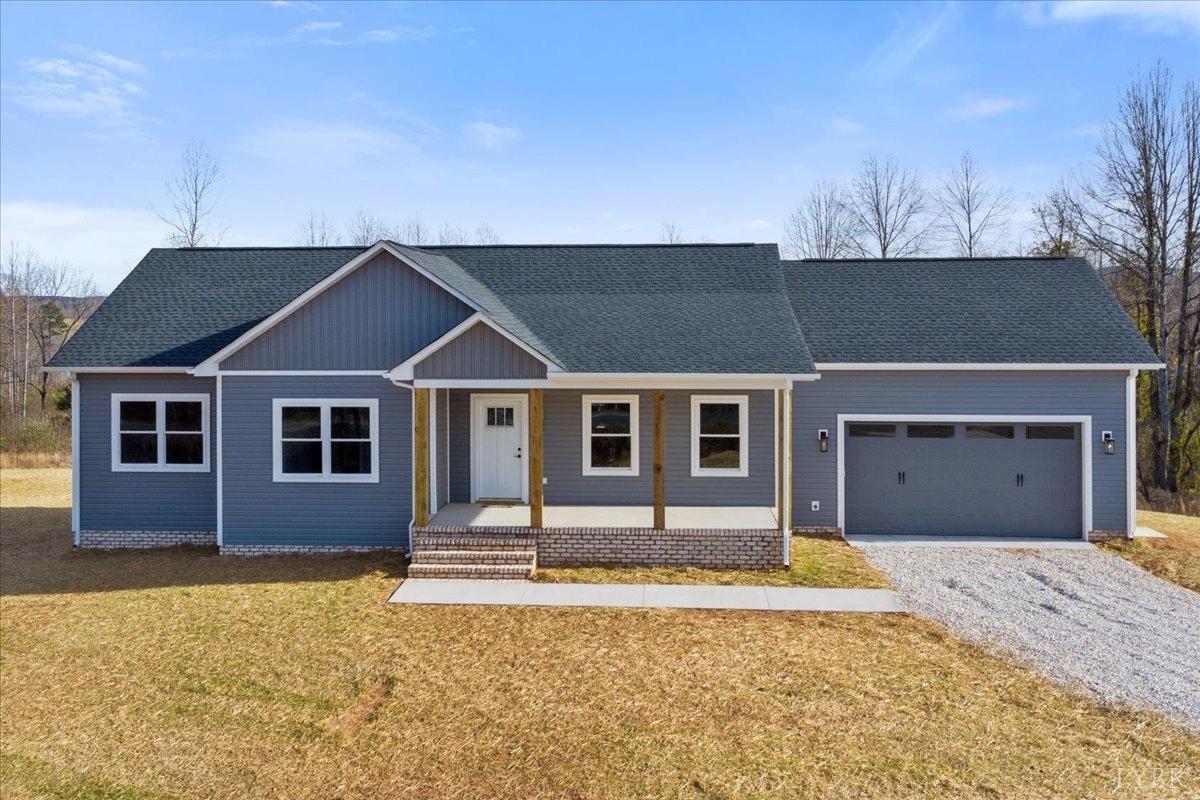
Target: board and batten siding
<point>479,353</point>
<point>140,501</point>
<point>817,404</point>
<point>563,453</point>
<point>258,511</point>
<point>373,318</point>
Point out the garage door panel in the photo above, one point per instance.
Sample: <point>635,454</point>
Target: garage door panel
<point>962,486</point>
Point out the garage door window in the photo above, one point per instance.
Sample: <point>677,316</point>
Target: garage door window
<point>871,430</point>
<point>989,431</point>
<point>1049,431</point>
<point>931,431</point>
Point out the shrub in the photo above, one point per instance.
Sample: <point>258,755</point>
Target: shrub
<point>36,435</point>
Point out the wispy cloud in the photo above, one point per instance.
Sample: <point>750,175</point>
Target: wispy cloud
<point>973,108</point>
<point>843,126</point>
<point>1090,131</point>
<point>98,85</point>
<point>912,34</point>
<point>757,225</point>
<point>318,25</point>
<point>333,33</point>
<point>310,142</point>
<point>1145,16</point>
<point>490,136</point>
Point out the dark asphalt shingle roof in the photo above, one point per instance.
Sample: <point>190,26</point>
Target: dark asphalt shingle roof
<point>1006,310</point>
<point>590,308</point>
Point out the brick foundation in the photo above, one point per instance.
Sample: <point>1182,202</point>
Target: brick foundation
<point>833,532</point>
<point>1105,536</point>
<point>117,540</point>
<point>714,548</point>
<point>283,549</point>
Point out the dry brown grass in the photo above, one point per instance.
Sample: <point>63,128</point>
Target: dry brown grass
<point>1176,558</point>
<point>34,460</point>
<point>815,562</point>
<point>184,674</point>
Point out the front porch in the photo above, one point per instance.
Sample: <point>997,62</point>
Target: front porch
<point>492,515</point>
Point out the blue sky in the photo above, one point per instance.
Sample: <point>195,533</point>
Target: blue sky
<point>553,123</point>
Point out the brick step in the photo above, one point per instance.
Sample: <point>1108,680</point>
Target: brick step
<point>521,557</point>
<point>494,572</point>
<point>426,541</point>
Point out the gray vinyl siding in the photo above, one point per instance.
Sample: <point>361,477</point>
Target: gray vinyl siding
<point>374,318</point>
<point>563,454</point>
<point>142,501</point>
<point>259,511</point>
<point>817,404</point>
<point>480,352</point>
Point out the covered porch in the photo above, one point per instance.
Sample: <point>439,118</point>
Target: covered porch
<point>485,515</point>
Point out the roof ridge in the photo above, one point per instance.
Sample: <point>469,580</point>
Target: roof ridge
<point>584,245</point>
<point>927,258</point>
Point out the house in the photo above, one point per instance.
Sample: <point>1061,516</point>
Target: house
<point>691,404</point>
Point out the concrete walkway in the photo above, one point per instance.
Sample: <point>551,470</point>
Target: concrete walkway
<point>643,595</point>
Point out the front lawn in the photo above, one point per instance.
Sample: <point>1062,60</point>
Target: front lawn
<point>1176,558</point>
<point>815,562</point>
<point>181,673</point>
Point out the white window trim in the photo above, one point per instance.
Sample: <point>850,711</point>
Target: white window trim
<point>326,475</point>
<point>160,418</point>
<point>743,403</point>
<point>634,433</point>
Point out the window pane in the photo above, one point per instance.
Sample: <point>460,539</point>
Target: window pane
<point>610,417</point>
<point>989,431</point>
<point>350,458</point>
<point>302,457</point>
<point>508,417</point>
<point>139,448</point>
<point>137,415</point>
<point>871,429</point>
<point>613,452</point>
<point>1049,431</point>
<point>931,431</point>
<point>185,448</point>
<point>491,417</point>
<point>349,422</point>
<point>719,417</point>
<point>719,452</point>
<point>500,417</point>
<point>301,422</point>
<point>183,416</point>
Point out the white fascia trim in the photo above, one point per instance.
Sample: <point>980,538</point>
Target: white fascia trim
<point>75,457</point>
<point>210,365</point>
<point>636,381</point>
<point>404,370</point>
<point>1084,421</point>
<point>872,366</point>
<point>301,373</point>
<point>116,369</point>
<point>634,433</point>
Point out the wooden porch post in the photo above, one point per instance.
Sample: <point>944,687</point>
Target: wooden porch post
<point>535,458</point>
<point>660,456</point>
<point>420,419</point>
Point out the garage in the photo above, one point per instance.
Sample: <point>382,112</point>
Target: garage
<point>963,478</point>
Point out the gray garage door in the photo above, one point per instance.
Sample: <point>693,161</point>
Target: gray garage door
<point>963,479</point>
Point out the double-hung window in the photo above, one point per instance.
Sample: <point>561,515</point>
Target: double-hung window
<point>326,440</point>
<point>720,430</point>
<point>160,433</point>
<point>610,434</point>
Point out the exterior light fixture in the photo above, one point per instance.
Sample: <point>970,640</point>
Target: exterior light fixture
<point>1110,444</point>
<point>823,440</point>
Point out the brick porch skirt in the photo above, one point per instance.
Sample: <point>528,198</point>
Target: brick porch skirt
<point>715,548</point>
<point>116,540</point>
<point>1104,536</point>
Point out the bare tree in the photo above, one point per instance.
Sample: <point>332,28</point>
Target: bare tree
<point>890,210</point>
<point>974,212</point>
<point>413,232</point>
<point>670,233</point>
<point>486,234</point>
<point>1054,225</point>
<point>821,226</point>
<point>191,194</point>
<point>366,228</point>
<point>317,231</point>
<point>458,235</point>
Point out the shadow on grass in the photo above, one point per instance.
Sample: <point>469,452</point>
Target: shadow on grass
<point>37,557</point>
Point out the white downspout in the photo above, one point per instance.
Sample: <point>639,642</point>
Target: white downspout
<point>76,500</point>
<point>1131,453</point>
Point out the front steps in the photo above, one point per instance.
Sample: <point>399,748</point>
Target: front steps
<point>482,556</point>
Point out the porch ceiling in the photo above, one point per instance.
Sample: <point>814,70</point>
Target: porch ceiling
<point>479,515</point>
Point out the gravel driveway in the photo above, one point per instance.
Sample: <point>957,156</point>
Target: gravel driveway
<point>1082,617</point>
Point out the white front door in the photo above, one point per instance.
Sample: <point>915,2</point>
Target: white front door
<point>498,458</point>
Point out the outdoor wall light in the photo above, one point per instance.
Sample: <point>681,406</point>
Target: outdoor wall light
<point>823,440</point>
<point>1110,444</point>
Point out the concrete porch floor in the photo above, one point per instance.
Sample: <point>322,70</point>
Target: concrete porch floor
<point>479,515</point>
